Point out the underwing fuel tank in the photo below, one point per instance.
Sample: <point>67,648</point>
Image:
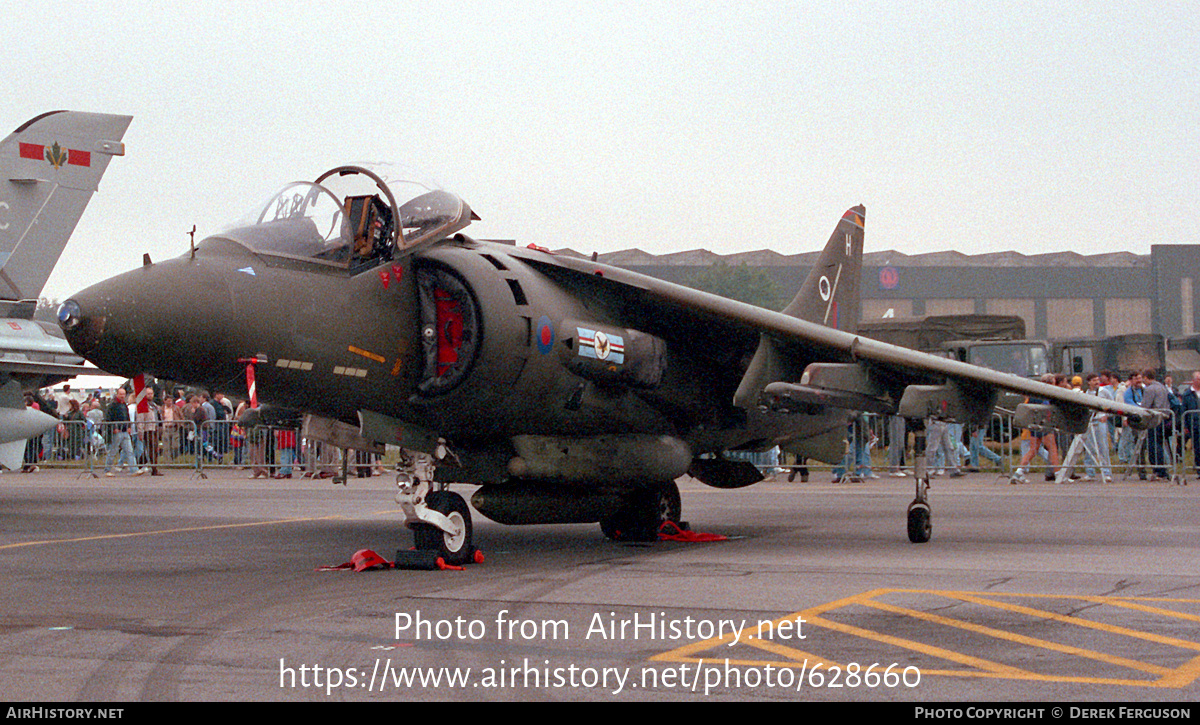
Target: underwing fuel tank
<point>544,503</point>
<point>557,480</point>
<point>599,459</point>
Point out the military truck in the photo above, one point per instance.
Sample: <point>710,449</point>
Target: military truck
<point>1122,354</point>
<point>1183,358</point>
<point>992,341</point>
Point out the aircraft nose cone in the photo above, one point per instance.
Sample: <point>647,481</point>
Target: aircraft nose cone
<point>158,319</point>
<point>83,332</point>
<point>85,321</point>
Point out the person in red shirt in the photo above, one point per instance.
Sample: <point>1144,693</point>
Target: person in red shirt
<point>285,450</point>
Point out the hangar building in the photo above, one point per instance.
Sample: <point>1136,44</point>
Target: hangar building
<point>1060,294</point>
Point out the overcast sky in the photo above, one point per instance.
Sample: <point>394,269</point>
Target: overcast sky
<point>977,126</point>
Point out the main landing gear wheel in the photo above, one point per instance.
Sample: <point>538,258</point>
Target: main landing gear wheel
<point>454,548</point>
<point>643,511</point>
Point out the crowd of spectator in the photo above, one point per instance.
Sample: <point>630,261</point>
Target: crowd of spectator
<point>139,433</point>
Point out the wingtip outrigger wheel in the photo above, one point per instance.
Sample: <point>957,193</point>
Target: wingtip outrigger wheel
<point>920,527</point>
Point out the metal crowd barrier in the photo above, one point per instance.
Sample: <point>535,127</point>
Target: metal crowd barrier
<point>263,451</point>
<point>267,451</point>
<point>870,437</point>
<point>1188,452</point>
<point>68,445</point>
<point>93,447</point>
<point>271,451</point>
<point>879,446</point>
<point>1150,453</point>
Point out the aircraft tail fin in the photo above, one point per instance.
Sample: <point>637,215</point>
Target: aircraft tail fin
<point>49,168</point>
<point>830,294</point>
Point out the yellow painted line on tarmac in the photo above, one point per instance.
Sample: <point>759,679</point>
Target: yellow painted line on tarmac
<point>812,616</point>
<point>1142,608</point>
<point>1113,601</point>
<point>1025,595</point>
<point>1176,677</point>
<point>1086,623</point>
<point>995,668</point>
<point>159,532</point>
<point>1022,639</point>
<point>794,657</point>
<point>1183,675</point>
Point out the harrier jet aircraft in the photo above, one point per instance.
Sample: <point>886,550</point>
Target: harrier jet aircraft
<point>567,391</point>
<point>49,168</point>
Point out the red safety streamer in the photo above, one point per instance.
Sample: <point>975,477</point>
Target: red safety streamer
<point>670,531</point>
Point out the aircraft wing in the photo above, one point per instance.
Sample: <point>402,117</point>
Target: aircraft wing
<point>18,423</point>
<point>52,370</point>
<point>829,367</point>
<point>37,354</point>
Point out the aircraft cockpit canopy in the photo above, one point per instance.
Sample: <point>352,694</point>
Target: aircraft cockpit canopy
<point>349,217</point>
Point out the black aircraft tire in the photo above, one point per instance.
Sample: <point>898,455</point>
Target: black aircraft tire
<point>454,550</point>
<point>643,512</point>
<point>667,502</point>
<point>919,526</point>
<point>613,527</point>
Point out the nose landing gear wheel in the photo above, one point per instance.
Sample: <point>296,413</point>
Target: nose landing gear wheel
<point>456,548</point>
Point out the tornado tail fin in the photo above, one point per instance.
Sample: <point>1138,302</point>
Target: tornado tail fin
<point>49,168</point>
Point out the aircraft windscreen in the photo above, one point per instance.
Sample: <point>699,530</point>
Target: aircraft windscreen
<point>300,220</point>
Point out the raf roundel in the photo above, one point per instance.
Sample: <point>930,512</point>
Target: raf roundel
<point>545,335</point>
<point>889,278</point>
